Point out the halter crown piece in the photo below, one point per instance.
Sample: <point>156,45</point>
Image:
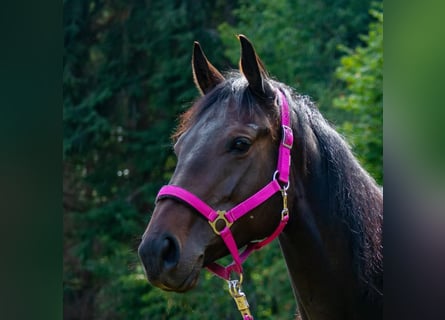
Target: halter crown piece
<point>280,182</point>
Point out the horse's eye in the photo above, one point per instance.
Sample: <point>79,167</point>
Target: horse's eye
<point>240,144</point>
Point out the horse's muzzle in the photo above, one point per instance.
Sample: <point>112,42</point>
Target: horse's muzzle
<point>160,256</point>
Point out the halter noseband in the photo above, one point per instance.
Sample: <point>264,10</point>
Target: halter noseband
<point>280,182</point>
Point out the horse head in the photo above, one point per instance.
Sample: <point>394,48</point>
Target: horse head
<point>226,148</point>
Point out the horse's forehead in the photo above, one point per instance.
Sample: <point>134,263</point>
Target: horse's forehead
<point>218,121</point>
<point>224,122</point>
<point>216,117</point>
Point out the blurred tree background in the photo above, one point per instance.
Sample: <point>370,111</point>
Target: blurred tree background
<point>127,77</point>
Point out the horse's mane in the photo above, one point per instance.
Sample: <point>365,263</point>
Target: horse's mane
<point>352,196</point>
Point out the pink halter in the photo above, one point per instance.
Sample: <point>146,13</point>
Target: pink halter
<point>280,182</point>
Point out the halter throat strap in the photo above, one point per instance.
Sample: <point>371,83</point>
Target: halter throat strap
<point>221,221</point>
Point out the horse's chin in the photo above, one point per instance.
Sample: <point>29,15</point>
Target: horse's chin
<point>184,287</point>
<point>177,283</point>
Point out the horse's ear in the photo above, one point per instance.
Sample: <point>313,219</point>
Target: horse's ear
<point>253,68</point>
<point>205,75</point>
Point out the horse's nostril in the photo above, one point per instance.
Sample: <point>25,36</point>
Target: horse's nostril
<point>169,252</point>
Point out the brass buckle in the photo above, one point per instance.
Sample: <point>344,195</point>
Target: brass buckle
<point>221,217</point>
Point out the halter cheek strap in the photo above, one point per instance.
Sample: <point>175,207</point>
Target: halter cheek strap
<point>221,221</point>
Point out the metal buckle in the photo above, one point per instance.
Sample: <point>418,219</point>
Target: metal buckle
<point>288,137</point>
<point>221,217</point>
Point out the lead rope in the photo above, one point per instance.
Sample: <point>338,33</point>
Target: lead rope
<point>235,285</point>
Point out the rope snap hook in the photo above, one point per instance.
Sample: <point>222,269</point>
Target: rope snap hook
<point>240,298</point>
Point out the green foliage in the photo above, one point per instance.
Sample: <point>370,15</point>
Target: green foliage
<point>362,70</point>
<point>126,78</point>
<point>297,40</point>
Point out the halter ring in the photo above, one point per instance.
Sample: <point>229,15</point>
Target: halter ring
<point>221,217</point>
<point>275,177</point>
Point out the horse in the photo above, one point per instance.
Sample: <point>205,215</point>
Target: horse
<point>227,146</point>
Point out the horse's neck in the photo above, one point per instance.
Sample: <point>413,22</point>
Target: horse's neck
<point>318,255</point>
<point>311,266</point>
